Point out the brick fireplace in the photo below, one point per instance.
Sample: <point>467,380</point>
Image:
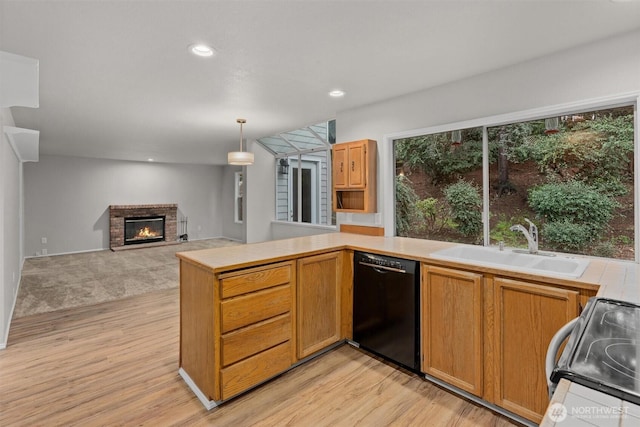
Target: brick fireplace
<point>119,213</point>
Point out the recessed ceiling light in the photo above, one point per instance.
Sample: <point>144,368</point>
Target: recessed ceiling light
<point>336,93</point>
<point>149,160</point>
<point>201,50</point>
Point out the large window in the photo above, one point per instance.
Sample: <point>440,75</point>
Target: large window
<point>303,173</point>
<point>571,174</point>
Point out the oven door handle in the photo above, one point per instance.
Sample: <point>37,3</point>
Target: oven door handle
<point>552,352</point>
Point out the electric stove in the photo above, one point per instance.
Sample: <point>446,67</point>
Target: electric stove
<point>603,348</point>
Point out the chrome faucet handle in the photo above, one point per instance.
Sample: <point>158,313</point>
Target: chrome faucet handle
<point>533,229</point>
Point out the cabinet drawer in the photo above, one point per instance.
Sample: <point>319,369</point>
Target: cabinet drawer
<point>255,307</point>
<point>249,372</point>
<point>255,280</point>
<point>253,339</point>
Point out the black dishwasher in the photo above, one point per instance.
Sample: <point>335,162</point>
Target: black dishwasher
<point>386,306</point>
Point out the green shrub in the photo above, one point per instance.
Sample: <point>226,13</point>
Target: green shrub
<point>612,186</point>
<point>406,199</point>
<point>501,232</point>
<point>567,236</point>
<point>436,156</point>
<point>572,201</point>
<point>466,207</point>
<point>433,214</point>
<point>605,249</point>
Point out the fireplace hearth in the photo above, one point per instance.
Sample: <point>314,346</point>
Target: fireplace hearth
<point>137,226</point>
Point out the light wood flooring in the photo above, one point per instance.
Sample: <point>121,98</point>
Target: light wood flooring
<point>116,363</point>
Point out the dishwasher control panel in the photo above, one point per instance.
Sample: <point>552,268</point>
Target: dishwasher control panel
<point>385,262</point>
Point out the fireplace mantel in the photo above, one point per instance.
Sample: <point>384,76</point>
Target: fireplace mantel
<point>117,214</point>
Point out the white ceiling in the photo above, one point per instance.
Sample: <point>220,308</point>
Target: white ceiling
<point>117,81</point>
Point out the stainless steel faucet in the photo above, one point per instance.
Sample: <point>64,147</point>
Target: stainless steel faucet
<point>531,235</point>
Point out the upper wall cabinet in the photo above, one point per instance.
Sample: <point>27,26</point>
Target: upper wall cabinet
<point>354,176</point>
<point>19,78</point>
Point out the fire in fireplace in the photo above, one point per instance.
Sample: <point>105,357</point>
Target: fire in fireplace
<point>143,230</point>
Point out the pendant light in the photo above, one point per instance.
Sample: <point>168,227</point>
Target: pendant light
<point>241,158</point>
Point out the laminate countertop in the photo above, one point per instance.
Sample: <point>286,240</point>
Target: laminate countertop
<point>613,279</point>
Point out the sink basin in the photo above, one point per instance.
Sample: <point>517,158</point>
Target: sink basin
<point>508,259</point>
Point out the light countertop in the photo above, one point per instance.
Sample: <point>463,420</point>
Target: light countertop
<point>614,275</point>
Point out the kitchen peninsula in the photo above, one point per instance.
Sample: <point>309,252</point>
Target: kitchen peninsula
<point>251,312</point>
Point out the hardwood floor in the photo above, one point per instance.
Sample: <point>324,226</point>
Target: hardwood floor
<point>116,363</point>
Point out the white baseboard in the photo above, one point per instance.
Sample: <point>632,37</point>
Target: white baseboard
<point>208,404</point>
<point>5,340</point>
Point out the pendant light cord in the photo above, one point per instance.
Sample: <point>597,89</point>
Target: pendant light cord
<point>241,121</point>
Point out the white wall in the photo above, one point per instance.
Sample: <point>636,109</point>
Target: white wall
<point>597,70</point>
<point>10,227</point>
<point>260,186</point>
<point>285,230</point>
<point>67,199</point>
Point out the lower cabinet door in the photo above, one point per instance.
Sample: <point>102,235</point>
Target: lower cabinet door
<point>240,376</point>
<point>526,318</point>
<point>452,329</point>
<point>318,314</point>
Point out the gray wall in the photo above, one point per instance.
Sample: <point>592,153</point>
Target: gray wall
<point>596,70</point>
<point>10,227</point>
<point>67,199</point>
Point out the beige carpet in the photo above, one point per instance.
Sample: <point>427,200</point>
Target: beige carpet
<point>63,281</point>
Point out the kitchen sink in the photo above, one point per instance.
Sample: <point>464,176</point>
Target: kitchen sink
<point>548,264</point>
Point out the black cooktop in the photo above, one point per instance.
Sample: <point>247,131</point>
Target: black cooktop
<point>603,349</point>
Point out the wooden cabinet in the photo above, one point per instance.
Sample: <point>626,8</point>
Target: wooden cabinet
<point>489,335</point>
<point>354,176</point>
<point>526,318</point>
<point>236,329</point>
<point>256,326</point>
<point>318,302</point>
<point>452,327</point>
<point>485,334</point>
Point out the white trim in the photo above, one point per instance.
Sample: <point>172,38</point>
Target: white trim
<point>313,164</point>
<point>208,404</point>
<point>387,181</point>
<point>387,177</point>
<point>486,225</point>
<point>636,181</point>
<point>237,176</point>
<point>5,342</point>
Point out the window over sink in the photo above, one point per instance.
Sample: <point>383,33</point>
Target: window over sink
<point>571,172</point>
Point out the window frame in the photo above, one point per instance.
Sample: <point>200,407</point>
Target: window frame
<point>238,214</point>
<point>299,163</point>
<point>388,167</point>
